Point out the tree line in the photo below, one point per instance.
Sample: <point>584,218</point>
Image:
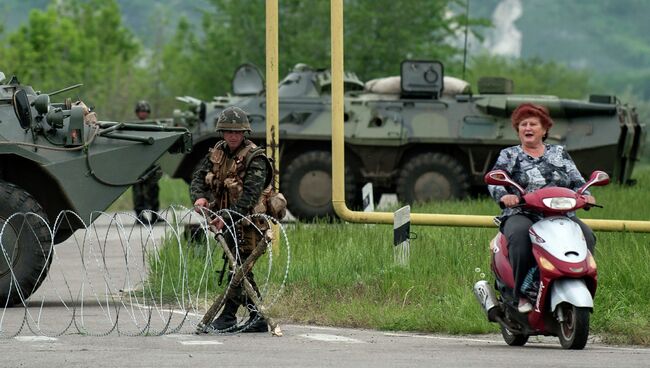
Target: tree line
<point>85,41</point>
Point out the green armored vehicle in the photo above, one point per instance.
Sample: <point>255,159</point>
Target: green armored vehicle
<point>57,157</point>
<point>421,135</point>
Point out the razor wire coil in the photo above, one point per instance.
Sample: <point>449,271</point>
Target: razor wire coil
<point>124,278</point>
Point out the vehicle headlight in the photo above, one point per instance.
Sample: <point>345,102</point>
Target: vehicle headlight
<point>559,203</point>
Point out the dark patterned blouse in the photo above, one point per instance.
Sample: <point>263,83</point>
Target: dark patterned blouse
<point>554,168</point>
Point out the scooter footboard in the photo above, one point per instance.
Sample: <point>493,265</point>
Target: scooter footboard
<point>572,291</point>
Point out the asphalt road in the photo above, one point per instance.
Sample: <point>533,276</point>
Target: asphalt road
<point>55,307</point>
<point>307,346</point>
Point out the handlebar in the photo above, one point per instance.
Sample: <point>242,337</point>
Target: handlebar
<point>522,201</point>
<point>588,206</point>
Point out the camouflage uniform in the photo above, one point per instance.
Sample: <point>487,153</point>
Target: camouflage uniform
<point>145,193</point>
<point>254,181</point>
<point>235,181</point>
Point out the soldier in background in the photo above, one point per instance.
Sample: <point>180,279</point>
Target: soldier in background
<point>145,193</point>
<point>232,177</point>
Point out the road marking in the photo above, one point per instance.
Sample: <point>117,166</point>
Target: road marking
<point>175,311</point>
<point>638,350</point>
<point>177,336</point>
<point>201,342</point>
<point>332,338</point>
<point>437,337</point>
<point>35,338</point>
<point>589,346</point>
<point>319,327</point>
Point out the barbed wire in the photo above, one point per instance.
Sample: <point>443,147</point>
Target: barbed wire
<point>119,275</point>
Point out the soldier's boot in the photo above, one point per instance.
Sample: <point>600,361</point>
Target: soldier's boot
<point>141,219</point>
<point>155,218</point>
<point>228,317</point>
<point>256,323</point>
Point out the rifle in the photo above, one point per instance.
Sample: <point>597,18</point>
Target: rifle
<point>223,269</point>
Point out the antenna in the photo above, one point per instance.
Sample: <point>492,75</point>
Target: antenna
<point>65,89</point>
<point>466,28</point>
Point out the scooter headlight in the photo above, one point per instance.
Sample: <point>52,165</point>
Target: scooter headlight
<point>592,262</point>
<point>546,264</point>
<point>559,203</point>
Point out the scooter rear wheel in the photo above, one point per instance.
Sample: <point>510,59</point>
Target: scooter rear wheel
<point>574,330</point>
<point>513,339</point>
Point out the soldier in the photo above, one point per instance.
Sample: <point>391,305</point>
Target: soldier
<point>145,193</point>
<point>232,177</point>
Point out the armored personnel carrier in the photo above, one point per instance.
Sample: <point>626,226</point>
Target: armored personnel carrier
<point>57,157</point>
<point>421,135</point>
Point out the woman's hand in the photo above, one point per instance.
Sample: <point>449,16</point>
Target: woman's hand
<point>590,199</point>
<point>510,200</point>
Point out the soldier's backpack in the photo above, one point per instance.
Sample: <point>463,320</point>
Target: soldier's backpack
<point>273,202</point>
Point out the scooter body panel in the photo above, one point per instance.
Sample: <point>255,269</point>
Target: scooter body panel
<point>561,237</point>
<point>572,291</point>
<point>500,262</point>
<point>558,241</point>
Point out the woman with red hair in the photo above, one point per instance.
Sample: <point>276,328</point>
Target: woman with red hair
<point>534,165</point>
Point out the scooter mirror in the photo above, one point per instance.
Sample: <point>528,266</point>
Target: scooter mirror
<point>497,177</point>
<point>500,177</point>
<point>597,178</point>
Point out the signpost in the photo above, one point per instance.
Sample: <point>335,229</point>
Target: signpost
<point>401,235</point>
<point>368,198</point>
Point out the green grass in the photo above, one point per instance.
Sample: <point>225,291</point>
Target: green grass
<point>344,274</point>
<point>175,272</point>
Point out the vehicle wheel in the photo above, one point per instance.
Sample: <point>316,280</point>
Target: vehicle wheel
<point>432,176</point>
<point>574,331</point>
<point>513,339</point>
<point>307,185</point>
<point>26,244</point>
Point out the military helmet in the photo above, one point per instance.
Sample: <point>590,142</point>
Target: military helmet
<point>142,105</point>
<point>234,119</point>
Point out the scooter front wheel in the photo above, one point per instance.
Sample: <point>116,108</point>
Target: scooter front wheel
<point>513,339</point>
<point>574,329</point>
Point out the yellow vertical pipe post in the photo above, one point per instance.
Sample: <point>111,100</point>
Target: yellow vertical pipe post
<point>272,107</point>
<point>338,156</point>
<point>338,182</point>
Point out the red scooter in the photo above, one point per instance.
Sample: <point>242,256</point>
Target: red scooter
<point>567,270</point>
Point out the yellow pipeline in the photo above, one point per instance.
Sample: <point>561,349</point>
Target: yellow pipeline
<point>338,183</point>
<point>272,109</point>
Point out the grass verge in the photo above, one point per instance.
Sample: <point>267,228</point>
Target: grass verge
<point>344,274</point>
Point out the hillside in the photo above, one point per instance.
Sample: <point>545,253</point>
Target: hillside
<point>606,36</point>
